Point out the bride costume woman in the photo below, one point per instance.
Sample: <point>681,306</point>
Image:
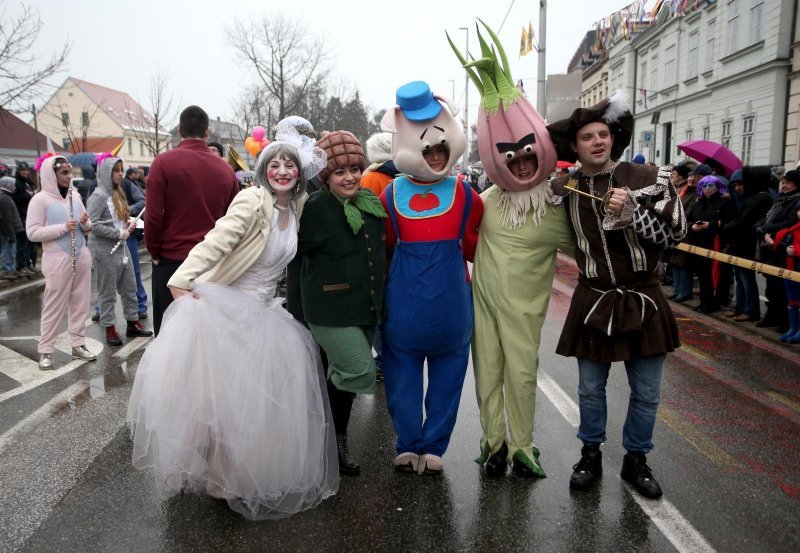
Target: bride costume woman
<point>230,398</point>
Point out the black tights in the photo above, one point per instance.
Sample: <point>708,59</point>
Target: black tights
<point>341,405</point>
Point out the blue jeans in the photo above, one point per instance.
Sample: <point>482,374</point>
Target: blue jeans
<point>747,302</point>
<point>644,379</point>
<point>8,253</point>
<point>682,280</point>
<point>141,295</point>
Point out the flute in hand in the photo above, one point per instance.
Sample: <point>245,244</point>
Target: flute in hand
<point>120,241</point>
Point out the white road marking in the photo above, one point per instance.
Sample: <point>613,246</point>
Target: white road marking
<point>131,346</point>
<point>21,287</point>
<point>679,531</point>
<point>40,415</point>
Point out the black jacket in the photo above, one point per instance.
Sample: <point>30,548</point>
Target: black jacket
<point>739,234</point>
<point>716,210</point>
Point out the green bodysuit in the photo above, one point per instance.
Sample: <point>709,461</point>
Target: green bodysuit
<point>512,279</point>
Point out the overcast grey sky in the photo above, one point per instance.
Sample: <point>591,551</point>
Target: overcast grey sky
<point>376,45</point>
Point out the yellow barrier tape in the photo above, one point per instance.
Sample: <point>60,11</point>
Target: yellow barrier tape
<point>771,270</point>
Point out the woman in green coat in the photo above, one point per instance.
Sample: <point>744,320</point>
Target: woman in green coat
<point>342,238</point>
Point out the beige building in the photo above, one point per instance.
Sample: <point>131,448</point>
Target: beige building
<point>791,155</point>
<point>86,117</point>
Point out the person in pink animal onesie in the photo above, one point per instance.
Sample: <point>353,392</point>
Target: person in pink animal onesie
<point>431,233</point>
<point>58,219</point>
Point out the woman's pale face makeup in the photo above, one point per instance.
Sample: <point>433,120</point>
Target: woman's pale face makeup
<point>345,181</point>
<point>63,175</point>
<point>282,174</point>
<point>709,190</point>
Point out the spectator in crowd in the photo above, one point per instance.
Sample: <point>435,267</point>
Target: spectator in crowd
<point>786,247</point>
<point>739,236</point>
<point>683,275</point>
<point>216,149</point>
<point>782,214</point>
<point>189,188</point>
<point>706,215</point>
<point>10,227</point>
<point>23,193</point>
<point>638,159</point>
<point>135,198</point>
<point>87,185</point>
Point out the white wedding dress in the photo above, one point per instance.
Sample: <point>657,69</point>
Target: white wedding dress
<point>230,399</point>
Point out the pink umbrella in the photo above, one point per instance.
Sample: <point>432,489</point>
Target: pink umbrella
<point>705,151</point>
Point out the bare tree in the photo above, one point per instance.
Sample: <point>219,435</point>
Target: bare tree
<point>287,60</point>
<point>252,108</point>
<point>21,75</point>
<point>149,123</point>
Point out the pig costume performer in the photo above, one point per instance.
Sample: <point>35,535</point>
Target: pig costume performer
<point>514,264</point>
<point>430,234</point>
<point>67,267</point>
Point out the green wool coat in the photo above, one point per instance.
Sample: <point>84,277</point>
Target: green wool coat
<point>343,275</point>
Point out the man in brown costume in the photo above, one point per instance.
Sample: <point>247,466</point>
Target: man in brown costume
<point>618,312</point>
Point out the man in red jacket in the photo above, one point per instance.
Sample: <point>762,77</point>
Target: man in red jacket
<point>188,189</point>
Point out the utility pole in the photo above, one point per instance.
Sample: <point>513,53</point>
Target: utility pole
<point>541,94</point>
<point>36,128</point>
<point>466,106</point>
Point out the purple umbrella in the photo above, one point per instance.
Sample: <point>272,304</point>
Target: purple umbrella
<point>705,150</point>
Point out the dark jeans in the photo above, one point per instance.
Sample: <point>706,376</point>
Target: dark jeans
<point>160,292</point>
<point>23,251</point>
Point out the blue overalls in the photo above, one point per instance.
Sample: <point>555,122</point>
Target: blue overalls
<point>429,316</point>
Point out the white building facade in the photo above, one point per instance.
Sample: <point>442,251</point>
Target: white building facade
<point>718,73</point>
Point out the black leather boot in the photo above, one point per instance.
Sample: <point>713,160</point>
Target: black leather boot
<point>588,469</point>
<point>497,463</point>
<point>346,464</point>
<point>136,329</point>
<point>636,471</point>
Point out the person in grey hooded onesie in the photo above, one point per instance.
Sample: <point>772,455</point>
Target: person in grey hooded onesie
<point>108,206</point>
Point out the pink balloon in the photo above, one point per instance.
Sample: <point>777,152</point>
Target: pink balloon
<point>258,133</point>
<point>264,143</point>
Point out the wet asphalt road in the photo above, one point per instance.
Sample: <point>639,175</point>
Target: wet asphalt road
<point>726,455</point>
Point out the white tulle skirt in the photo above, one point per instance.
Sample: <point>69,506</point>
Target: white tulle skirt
<point>230,400</point>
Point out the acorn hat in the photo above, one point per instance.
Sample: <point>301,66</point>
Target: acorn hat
<point>343,150</point>
<point>612,111</point>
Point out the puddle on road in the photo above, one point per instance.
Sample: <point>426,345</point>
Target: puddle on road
<point>95,388</point>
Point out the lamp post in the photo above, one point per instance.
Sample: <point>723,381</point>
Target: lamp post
<point>36,130</point>
<point>453,83</point>
<point>466,104</point>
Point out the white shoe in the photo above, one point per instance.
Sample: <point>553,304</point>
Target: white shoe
<point>46,362</point>
<point>406,462</point>
<point>80,352</point>
<point>430,464</point>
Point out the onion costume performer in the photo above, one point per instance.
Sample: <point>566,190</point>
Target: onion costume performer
<point>430,234</point>
<point>618,311</point>
<point>514,263</point>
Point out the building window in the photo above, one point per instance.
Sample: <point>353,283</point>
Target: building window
<point>654,74</point>
<point>693,53</point>
<point>67,144</point>
<point>726,133</point>
<point>756,17</point>
<point>85,119</point>
<point>710,44</point>
<point>130,146</point>
<point>65,119</point>
<point>643,73</point>
<point>733,27</point>
<point>706,133</point>
<point>747,139</point>
<point>689,135</point>
<point>141,148</point>
<point>670,76</point>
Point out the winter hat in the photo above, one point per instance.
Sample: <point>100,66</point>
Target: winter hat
<point>736,176</point>
<point>379,147</point>
<point>130,171</point>
<point>682,170</point>
<point>638,158</point>
<point>793,176</point>
<point>343,150</point>
<point>612,111</point>
<point>702,170</point>
<point>9,184</point>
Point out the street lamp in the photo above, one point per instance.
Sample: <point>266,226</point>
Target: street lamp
<point>453,83</point>
<point>466,103</point>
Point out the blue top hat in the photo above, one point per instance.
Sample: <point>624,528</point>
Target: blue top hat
<point>417,101</point>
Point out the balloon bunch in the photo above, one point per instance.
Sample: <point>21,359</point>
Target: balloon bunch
<point>257,142</point>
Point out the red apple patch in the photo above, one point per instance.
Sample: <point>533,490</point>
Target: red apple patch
<point>423,202</point>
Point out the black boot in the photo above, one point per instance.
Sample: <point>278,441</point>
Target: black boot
<point>636,471</point>
<point>346,464</point>
<point>497,464</point>
<point>136,329</point>
<point>588,469</point>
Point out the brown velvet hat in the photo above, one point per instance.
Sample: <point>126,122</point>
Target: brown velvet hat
<point>611,111</point>
<point>343,150</point>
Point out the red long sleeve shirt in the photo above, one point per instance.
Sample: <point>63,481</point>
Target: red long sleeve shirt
<point>188,189</point>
